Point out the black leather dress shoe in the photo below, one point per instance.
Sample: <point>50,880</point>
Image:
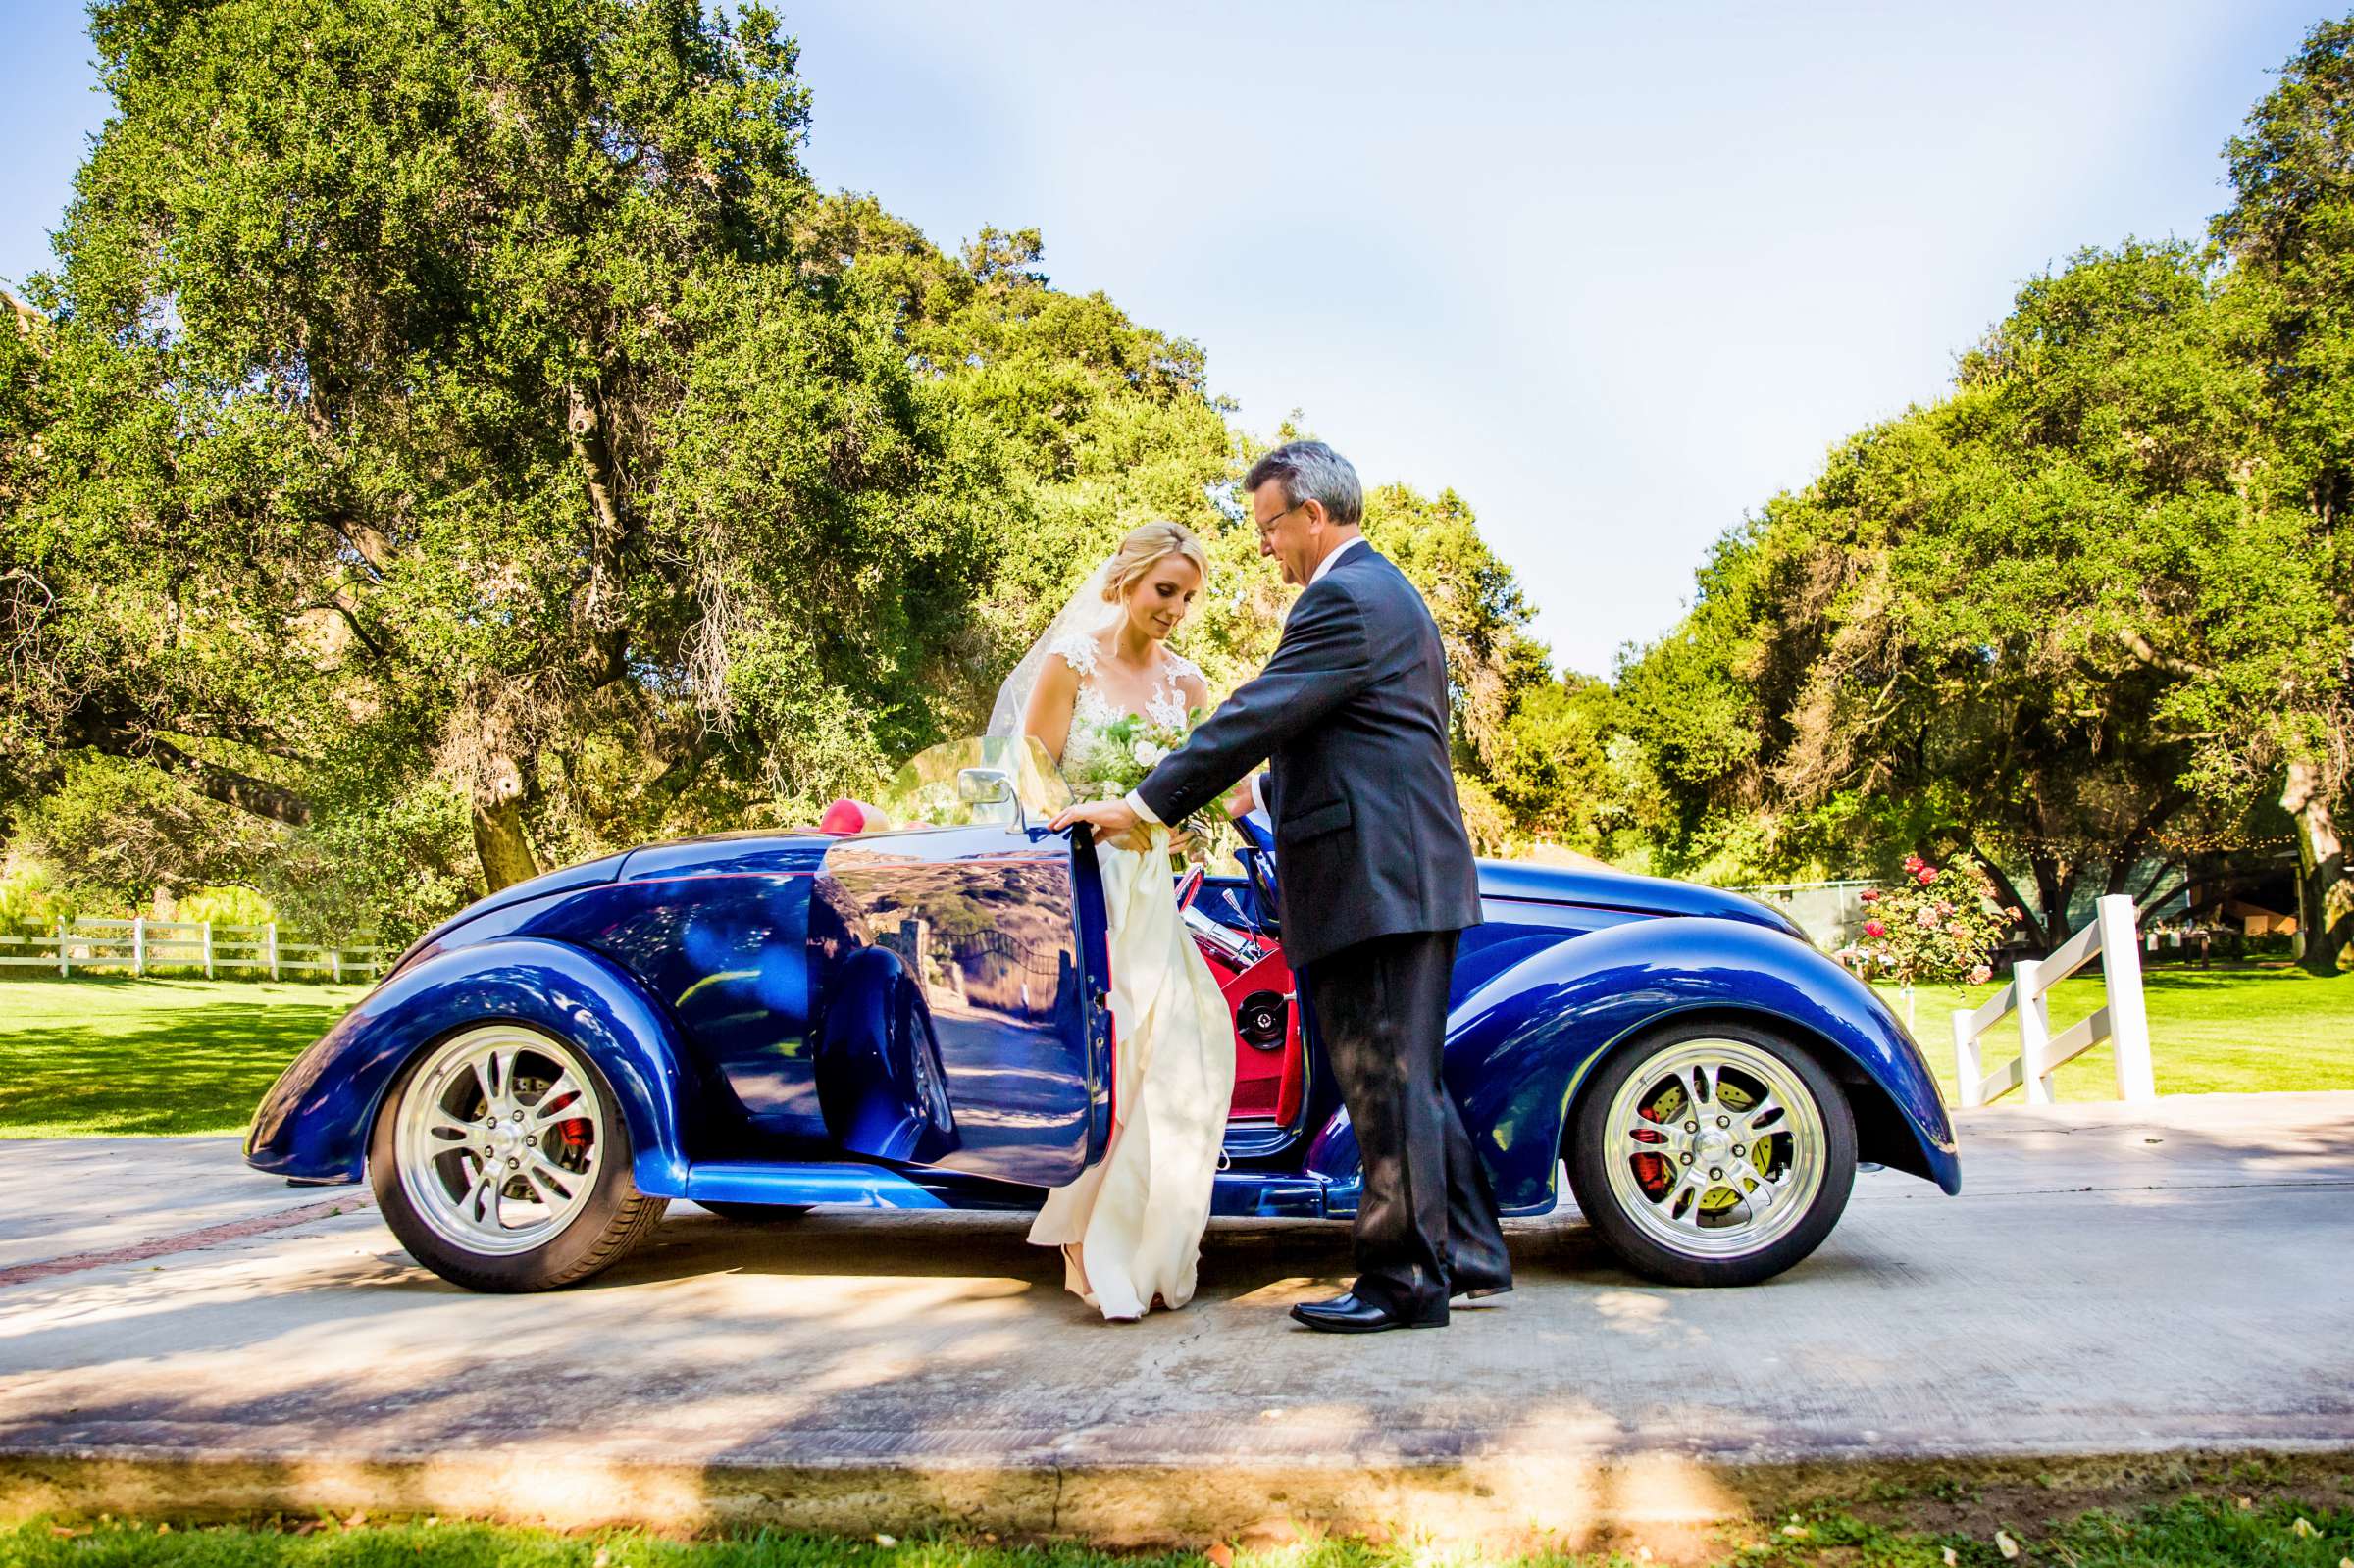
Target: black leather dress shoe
<point>1349,1314</point>
<point>1482,1292</point>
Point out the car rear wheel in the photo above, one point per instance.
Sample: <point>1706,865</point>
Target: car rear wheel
<point>501,1161</point>
<point>1712,1153</point>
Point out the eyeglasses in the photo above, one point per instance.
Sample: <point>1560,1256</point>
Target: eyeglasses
<point>1269,527</point>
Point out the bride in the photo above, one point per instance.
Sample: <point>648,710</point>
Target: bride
<point>1130,1227</point>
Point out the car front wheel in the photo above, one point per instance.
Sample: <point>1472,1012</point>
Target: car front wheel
<point>1712,1153</point>
<point>501,1161</point>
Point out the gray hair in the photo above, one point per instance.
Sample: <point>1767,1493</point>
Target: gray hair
<point>1310,471</point>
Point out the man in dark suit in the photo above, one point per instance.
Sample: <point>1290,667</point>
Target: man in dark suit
<point>1376,874</point>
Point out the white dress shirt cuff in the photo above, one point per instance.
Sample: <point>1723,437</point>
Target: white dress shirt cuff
<point>1136,803</point>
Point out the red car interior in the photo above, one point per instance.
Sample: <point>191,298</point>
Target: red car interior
<point>1269,1070</point>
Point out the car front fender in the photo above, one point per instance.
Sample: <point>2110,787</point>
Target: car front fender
<point>313,1125</point>
<point>1521,1044</point>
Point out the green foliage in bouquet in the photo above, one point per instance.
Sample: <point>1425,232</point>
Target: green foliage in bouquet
<point>1106,763</point>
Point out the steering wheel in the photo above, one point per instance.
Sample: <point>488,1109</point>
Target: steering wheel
<point>1189,887</point>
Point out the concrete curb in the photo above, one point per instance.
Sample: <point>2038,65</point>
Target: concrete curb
<point>1562,1500</point>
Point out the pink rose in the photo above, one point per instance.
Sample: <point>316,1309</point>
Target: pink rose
<point>1871,896</point>
<point>1957,930</point>
<point>1927,874</point>
<point>1913,862</point>
<point>1981,975</point>
<point>1873,927</point>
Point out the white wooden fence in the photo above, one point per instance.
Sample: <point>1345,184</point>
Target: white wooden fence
<point>140,945</point>
<point>2120,1019</point>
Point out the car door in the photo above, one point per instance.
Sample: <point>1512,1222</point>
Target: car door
<point>963,1020</point>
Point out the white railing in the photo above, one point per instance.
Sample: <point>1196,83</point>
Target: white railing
<point>142,944</point>
<point>2120,1019</point>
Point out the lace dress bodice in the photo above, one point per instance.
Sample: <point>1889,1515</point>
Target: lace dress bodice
<point>1164,704</point>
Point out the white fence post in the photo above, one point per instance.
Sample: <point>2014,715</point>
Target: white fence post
<point>2122,1018</point>
<point>271,936</point>
<point>334,965</point>
<point>63,968</point>
<point>1969,1075</point>
<point>2128,1018</point>
<point>138,945</point>
<point>2034,1031</point>
<point>208,949</point>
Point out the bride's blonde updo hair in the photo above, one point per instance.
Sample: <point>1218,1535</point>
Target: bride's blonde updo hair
<point>1145,548</point>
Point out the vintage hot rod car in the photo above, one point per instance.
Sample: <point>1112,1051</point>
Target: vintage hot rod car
<point>918,1018</point>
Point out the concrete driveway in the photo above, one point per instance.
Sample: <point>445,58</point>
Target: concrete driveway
<point>176,1330</point>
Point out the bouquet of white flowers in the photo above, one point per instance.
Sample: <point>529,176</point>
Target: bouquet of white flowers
<point>1107,762</point>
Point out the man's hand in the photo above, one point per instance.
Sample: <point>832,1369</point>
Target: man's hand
<point>1115,821</point>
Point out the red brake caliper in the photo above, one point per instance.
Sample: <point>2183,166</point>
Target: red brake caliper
<point>1651,1170</point>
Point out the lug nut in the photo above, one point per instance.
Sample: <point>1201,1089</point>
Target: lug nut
<point>533,1139</point>
<point>1724,1121</point>
<point>1739,1152</point>
<point>513,1165</point>
<point>1715,1173</point>
<point>519,1115</point>
<point>1687,1159</point>
<point>1691,1127</point>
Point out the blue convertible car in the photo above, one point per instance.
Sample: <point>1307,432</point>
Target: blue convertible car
<point>764,1022</point>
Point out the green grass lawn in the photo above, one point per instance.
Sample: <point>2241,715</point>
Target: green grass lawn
<point>2228,1030</point>
<point>2198,1532</point>
<point>91,1055</point>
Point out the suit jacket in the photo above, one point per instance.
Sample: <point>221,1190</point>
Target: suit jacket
<point>1352,712</point>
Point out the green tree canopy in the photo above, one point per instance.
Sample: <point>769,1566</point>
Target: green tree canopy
<point>460,439</point>
<point>1978,630</point>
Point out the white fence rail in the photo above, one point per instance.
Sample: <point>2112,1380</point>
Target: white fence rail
<point>2120,1019</point>
<point>141,945</point>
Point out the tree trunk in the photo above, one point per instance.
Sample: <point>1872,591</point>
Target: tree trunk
<point>499,841</point>
<point>2055,890</point>
<point>2324,903</point>
<point>2009,892</point>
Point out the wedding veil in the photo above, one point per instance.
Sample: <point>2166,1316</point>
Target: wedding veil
<point>1084,614</point>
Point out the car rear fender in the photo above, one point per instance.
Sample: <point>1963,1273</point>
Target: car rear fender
<point>313,1125</point>
<point>1521,1044</point>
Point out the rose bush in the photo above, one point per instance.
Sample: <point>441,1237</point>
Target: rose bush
<point>1933,925</point>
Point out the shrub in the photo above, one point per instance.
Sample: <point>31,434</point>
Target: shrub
<point>1933,925</point>
<point>225,906</point>
<point>31,893</point>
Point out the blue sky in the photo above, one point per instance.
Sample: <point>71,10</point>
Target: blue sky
<point>1615,273</point>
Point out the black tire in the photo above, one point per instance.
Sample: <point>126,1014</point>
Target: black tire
<point>755,1213</point>
<point>1591,1145</point>
<point>614,1219</point>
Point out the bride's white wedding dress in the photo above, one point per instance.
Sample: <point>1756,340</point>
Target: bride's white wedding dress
<point>1138,1214</point>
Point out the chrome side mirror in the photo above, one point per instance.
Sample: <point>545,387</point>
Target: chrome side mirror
<point>987,787</point>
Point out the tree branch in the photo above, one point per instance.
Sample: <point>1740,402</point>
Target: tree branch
<point>2140,648</point>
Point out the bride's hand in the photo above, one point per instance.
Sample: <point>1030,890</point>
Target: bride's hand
<point>1112,821</point>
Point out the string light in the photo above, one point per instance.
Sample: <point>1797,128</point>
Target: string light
<point>2220,842</point>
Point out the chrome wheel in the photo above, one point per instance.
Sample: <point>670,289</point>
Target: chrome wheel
<point>497,1140</point>
<point>1716,1147</point>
